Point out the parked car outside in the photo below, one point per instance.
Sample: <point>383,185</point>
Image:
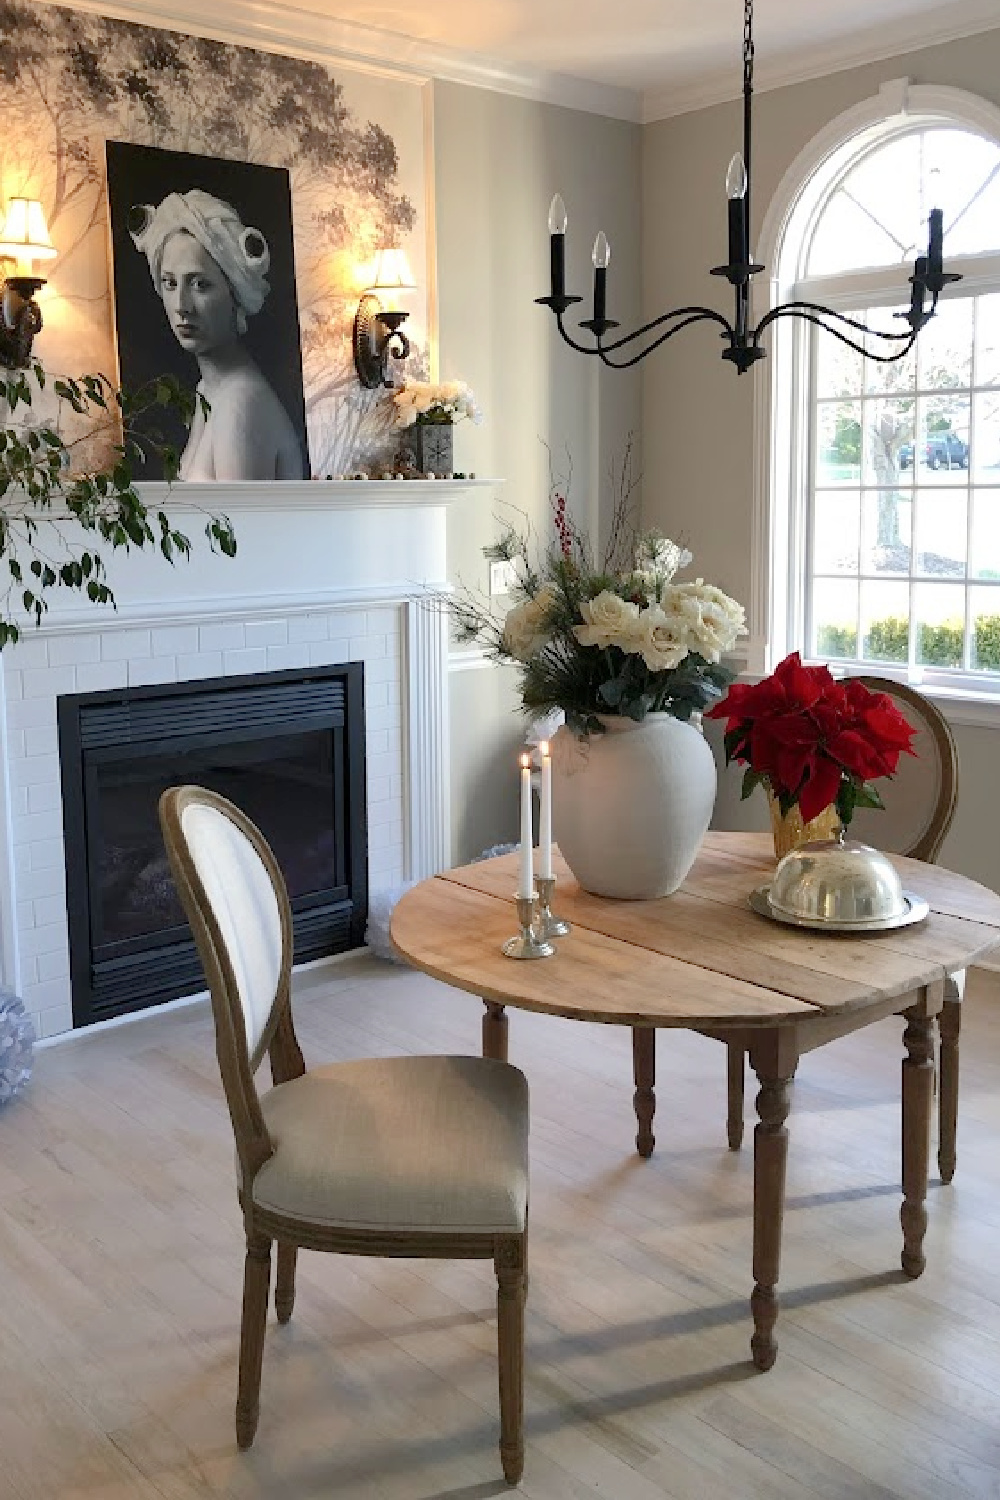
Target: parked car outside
<point>942,450</point>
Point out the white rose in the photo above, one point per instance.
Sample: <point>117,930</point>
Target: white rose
<point>608,621</point>
<point>660,639</point>
<point>715,620</point>
<point>526,628</point>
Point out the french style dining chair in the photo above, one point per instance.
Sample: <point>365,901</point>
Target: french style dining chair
<point>399,1156</point>
<point>920,804</point>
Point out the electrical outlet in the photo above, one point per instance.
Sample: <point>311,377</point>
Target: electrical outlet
<point>503,577</point>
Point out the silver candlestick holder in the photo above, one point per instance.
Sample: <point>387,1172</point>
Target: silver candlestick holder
<point>526,944</point>
<point>547,924</point>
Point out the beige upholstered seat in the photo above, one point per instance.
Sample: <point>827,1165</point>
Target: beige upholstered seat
<point>414,1156</point>
<point>400,1143</point>
<point>920,803</point>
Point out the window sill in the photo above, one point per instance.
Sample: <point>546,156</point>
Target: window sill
<point>959,705</point>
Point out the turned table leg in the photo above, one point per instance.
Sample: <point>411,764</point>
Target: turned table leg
<point>494,1031</point>
<point>644,1098</point>
<point>775,1068</point>
<point>950,1025</point>
<point>735,1071</point>
<point>918,1089</point>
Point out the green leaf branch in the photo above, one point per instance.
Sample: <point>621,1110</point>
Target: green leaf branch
<point>41,490</point>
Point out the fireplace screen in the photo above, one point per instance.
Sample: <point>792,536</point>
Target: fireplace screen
<point>288,749</point>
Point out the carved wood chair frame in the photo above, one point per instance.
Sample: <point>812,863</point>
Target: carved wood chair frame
<point>254,1147</point>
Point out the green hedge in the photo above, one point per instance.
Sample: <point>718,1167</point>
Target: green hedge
<point>937,645</point>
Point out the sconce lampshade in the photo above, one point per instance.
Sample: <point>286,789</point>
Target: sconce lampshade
<point>392,272</point>
<point>25,233</point>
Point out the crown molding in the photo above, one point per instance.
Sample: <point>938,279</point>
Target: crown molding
<point>290,30</point>
<point>806,63</point>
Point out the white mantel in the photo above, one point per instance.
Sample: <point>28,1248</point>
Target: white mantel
<point>325,572</point>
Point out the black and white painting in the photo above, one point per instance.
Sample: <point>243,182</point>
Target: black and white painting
<point>204,288</point>
<point>351,142</point>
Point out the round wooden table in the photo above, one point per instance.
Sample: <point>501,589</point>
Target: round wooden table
<point>702,960</point>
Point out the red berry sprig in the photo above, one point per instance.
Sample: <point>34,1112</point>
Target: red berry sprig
<point>562,525</point>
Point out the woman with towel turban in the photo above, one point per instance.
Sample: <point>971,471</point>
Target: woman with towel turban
<point>210,272</point>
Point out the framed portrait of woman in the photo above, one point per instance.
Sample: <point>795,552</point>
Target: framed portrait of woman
<point>204,289</point>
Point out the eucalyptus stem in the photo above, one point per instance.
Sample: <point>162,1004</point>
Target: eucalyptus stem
<point>38,485</point>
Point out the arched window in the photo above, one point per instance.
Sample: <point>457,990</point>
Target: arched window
<point>885,478</point>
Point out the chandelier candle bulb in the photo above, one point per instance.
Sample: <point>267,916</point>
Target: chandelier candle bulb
<point>557,245</point>
<point>601,257</point>
<point>736,193</point>
<point>915,316</point>
<point>526,880</point>
<point>935,224</point>
<point>545,816</point>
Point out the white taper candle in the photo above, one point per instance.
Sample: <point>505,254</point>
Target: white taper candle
<point>545,819</point>
<point>526,879</point>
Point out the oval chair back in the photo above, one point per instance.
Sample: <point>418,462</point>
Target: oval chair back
<point>920,799</point>
<point>235,899</point>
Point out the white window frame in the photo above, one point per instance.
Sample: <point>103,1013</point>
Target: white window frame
<point>781,383</point>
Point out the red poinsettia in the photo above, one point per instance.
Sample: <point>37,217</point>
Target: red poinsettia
<point>813,740</point>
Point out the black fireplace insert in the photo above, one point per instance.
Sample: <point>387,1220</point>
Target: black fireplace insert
<point>287,747</point>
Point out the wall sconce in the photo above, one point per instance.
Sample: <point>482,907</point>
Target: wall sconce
<point>25,237</point>
<point>377,329</point>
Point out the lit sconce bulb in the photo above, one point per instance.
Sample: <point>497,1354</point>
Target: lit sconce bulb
<point>24,236</point>
<point>601,254</point>
<point>736,178</point>
<point>558,218</point>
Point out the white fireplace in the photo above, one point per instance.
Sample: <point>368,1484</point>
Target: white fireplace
<point>325,573</point>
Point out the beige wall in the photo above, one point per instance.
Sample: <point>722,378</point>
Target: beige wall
<point>698,414</point>
<point>498,160</point>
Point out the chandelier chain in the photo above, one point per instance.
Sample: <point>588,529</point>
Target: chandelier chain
<point>748,46</point>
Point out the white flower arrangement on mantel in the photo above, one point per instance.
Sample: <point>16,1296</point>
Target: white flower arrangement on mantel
<point>427,403</point>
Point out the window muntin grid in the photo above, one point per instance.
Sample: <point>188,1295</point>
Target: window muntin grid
<point>904,499</point>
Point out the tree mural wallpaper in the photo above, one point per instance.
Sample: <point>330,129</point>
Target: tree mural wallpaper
<point>352,144</point>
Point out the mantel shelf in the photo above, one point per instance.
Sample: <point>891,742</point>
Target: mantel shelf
<point>315,494</point>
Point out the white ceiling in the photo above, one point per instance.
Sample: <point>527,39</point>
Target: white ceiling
<point>674,54</point>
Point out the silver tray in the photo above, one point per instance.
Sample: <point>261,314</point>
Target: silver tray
<point>917,909</point>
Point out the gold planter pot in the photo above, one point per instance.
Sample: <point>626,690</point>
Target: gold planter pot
<point>789,831</point>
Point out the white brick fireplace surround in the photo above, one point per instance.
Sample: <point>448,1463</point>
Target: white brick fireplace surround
<point>324,573</point>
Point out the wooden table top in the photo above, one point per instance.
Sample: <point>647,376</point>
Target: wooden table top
<point>698,957</point>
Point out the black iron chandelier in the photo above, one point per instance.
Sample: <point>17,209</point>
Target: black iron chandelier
<point>742,342</point>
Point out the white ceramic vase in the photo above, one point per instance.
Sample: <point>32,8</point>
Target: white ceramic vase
<point>631,806</point>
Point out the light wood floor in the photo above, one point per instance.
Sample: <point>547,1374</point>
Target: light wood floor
<point>121,1260</point>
